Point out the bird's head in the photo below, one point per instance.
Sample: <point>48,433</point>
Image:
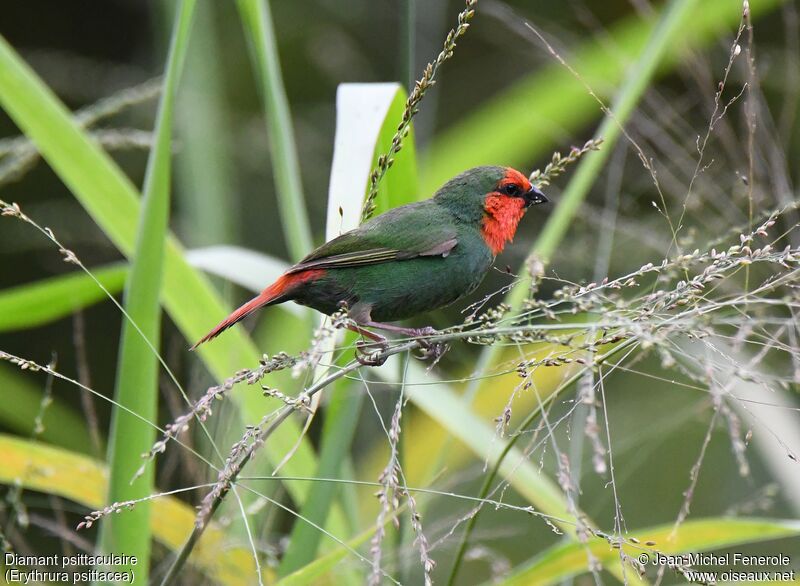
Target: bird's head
<point>495,198</point>
<point>514,184</point>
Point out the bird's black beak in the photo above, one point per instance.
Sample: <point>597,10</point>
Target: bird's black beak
<point>534,197</point>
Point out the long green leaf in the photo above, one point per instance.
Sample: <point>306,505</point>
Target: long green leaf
<point>443,405</point>
<point>565,560</point>
<point>47,300</point>
<point>366,117</point>
<point>112,200</point>
<point>315,572</point>
<point>83,480</point>
<point>137,373</point>
<point>33,304</point>
<point>341,416</point>
<point>260,32</point>
<point>670,28</point>
<point>454,414</point>
<point>535,115</point>
<point>204,171</point>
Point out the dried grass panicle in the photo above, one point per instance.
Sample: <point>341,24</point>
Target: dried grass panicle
<point>202,409</point>
<point>588,396</point>
<point>684,294</point>
<point>388,495</point>
<point>119,102</point>
<point>16,504</point>
<point>490,317</point>
<point>95,516</point>
<point>24,158</point>
<point>22,363</point>
<point>420,541</point>
<point>559,163</point>
<point>571,490</point>
<point>738,445</point>
<point>14,211</point>
<point>240,453</point>
<point>422,85</point>
<point>302,402</point>
<point>696,297</point>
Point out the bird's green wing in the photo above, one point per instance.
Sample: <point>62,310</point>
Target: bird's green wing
<point>402,233</point>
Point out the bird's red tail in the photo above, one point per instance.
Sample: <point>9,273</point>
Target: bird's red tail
<point>275,293</point>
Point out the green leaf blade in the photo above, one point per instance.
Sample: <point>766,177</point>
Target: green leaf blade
<point>565,560</point>
<point>34,304</point>
<point>543,109</point>
<point>257,21</point>
<point>137,373</point>
<point>112,201</point>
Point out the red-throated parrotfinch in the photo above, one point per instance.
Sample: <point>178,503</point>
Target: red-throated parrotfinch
<point>409,260</point>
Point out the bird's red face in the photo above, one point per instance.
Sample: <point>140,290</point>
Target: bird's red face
<point>515,185</point>
<point>505,206</point>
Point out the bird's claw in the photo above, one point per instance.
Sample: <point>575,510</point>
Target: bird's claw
<point>371,353</point>
<point>430,350</point>
<point>426,331</point>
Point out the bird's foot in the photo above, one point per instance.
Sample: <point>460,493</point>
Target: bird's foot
<point>371,353</point>
<point>433,351</point>
<point>429,350</point>
<point>421,332</point>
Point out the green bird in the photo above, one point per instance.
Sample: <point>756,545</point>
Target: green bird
<point>409,260</point>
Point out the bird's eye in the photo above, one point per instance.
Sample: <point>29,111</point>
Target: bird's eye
<point>511,189</point>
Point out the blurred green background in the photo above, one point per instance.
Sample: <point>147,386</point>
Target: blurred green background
<point>502,99</point>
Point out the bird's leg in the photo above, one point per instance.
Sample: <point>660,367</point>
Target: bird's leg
<point>365,353</point>
<point>410,332</point>
<point>430,349</point>
<point>364,332</point>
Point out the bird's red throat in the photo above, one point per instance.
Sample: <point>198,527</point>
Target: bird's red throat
<point>500,223</point>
